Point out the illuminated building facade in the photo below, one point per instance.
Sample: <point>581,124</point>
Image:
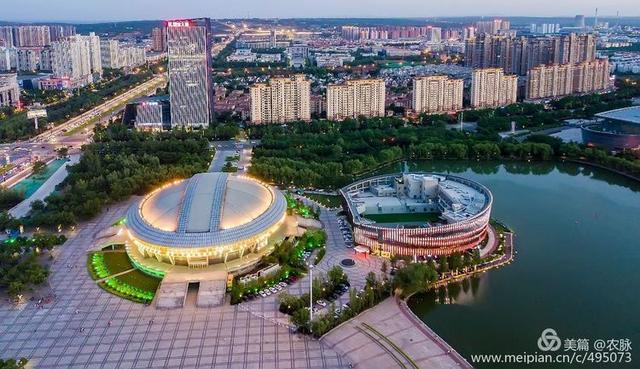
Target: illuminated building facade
<point>209,219</point>
<point>464,209</point>
<point>190,76</point>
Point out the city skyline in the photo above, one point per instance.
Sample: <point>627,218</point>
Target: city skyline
<point>71,11</point>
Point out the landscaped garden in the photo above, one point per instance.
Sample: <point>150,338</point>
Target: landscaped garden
<point>330,201</point>
<point>21,261</point>
<point>328,289</point>
<point>290,255</point>
<point>105,267</point>
<point>295,206</point>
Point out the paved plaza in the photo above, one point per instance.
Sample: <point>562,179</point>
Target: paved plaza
<point>86,327</point>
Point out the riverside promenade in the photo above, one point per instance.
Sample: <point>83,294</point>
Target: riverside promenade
<point>389,335</point>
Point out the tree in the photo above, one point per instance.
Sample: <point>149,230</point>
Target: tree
<point>415,277</point>
<point>384,268</point>
<point>15,288</point>
<point>336,276</point>
<point>371,281</point>
<point>444,265</point>
<point>38,167</point>
<point>9,198</point>
<point>63,152</point>
<point>301,318</point>
<point>13,363</point>
<point>455,261</point>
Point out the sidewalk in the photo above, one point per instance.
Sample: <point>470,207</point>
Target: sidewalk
<point>399,338</point>
<point>23,208</point>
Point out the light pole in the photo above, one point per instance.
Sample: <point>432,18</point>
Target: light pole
<point>310,265</point>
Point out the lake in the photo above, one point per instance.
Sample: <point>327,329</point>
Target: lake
<point>576,269</point>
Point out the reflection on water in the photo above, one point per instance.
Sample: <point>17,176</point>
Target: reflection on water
<point>576,265</point>
<point>463,292</point>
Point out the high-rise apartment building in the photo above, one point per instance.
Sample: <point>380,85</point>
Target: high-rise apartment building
<point>6,36</point>
<point>355,98</point>
<point>519,54</point>
<point>159,39</point>
<point>7,58</point>
<point>31,36</point>
<point>281,100</point>
<point>437,94</point>
<point>116,55</point>
<point>9,90</point>
<point>190,79</point>
<point>132,56</point>
<point>58,32</point>
<point>490,88</point>
<point>46,59</point>
<point>544,28</point>
<point>561,80</point>
<point>493,26</point>
<point>385,32</point>
<point>434,34</point>
<point>77,58</point>
<point>110,53</point>
<point>94,52</point>
<point>28,59</point>
<point>591,76</point>
<point>549,81</point>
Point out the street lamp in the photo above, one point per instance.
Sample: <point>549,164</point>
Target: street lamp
<point>310,265</point>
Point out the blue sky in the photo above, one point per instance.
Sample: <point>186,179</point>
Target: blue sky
<point>108,10</point>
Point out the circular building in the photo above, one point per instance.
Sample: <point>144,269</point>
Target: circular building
<point>418,214</point>
<point>211,218</point>
<point>618,130</point>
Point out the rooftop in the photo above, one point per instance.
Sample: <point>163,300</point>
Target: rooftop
<point>207,209</point>
<point>629,115</point>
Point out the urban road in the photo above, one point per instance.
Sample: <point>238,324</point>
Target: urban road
<point>72,134</point>
<point>45,144</point>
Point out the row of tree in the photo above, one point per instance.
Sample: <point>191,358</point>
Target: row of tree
<point>326,155</point>
<point>16,125</point>
<point>121,163</point>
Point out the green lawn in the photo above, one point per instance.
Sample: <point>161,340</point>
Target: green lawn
<point>329,201</point>
<point>403,217</point>
<point>140,280</point>
<point>133,285</point>
<point>117,262</point>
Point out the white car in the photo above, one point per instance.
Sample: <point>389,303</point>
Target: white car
<point>321,303</point>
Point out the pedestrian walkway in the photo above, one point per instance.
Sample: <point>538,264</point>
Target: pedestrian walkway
<point>23,208</point>
<point>385,336</point>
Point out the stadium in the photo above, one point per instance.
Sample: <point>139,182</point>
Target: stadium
<point>211,219</point>
<point>619,130</point>
<point>418,214</point>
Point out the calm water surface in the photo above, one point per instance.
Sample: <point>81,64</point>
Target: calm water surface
<point>577,267</point>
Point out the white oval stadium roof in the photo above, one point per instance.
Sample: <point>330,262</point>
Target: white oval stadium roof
<point>205,210</point>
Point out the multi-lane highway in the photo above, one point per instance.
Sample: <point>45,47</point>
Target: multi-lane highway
<point>113,105</point>
<point>69,134</point>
